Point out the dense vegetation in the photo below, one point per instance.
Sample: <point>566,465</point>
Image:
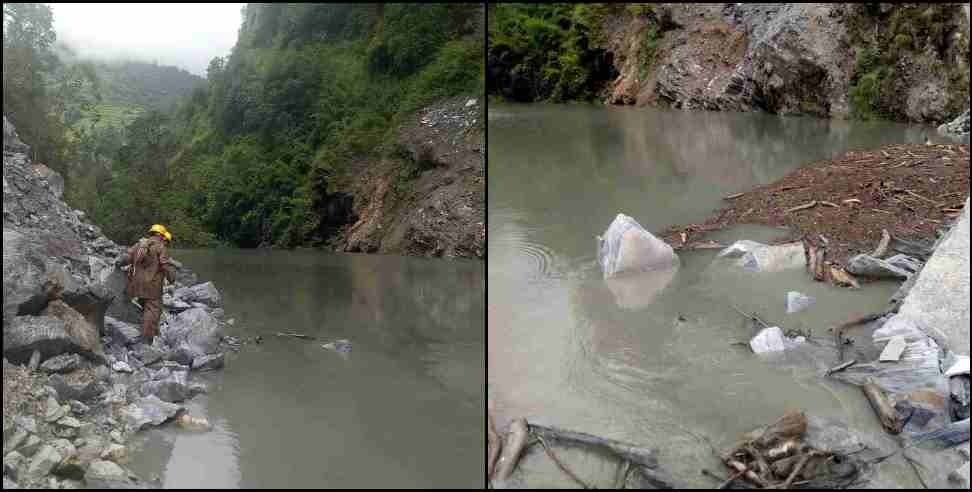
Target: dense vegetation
<point>251,157</point>
<point>886,40</point>
<point>547,52</point>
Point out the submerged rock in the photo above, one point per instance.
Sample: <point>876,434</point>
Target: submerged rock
<point>626,247</point>
<point>173,388</point>
<point>205,294</point>
<point>760,258</point>
<point>209,362</point>
<point>773,340</point>
<point>343,346</point>
<point>149,411</point>
<point>796,302</point>
<point>869,266</point>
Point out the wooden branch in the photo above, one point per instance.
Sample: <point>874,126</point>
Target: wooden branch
<point>796,470</point>
<point>889,417</point>
<point>882,247</point>
<point>725,485</point>
<point>494,446</point>
<point>782,451</point>
<point>733,197</point>
<point>834,370</point>
<point>636,455</point>
<point>801,207</point>
<point>296,335</point>
<point>749,474</point>
<point>829,204</point>
<point>512,449</point>
<point>622,479</point>
<point>561,465</point>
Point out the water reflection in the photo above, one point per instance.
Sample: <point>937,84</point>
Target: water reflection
<point>647,359</point>
<point>403,409</point>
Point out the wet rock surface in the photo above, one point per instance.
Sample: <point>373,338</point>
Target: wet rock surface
<point>77,383</point>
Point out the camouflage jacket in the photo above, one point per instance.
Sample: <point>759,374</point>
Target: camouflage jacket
<point>149,262</point>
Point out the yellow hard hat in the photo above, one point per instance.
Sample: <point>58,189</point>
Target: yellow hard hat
<point>159,228</point>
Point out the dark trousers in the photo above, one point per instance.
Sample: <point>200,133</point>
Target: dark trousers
<point>151,314</point>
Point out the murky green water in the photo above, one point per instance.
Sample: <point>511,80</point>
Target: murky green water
<point>652,364</point>
<point>404,409</point>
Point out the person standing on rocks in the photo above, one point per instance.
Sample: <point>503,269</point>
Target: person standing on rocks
<point>150,265</point>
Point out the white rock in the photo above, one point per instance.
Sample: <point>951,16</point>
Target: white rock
<point>768,340</point>
<point>122,366</point>
<point>471,102</point>
<point>628,248</point>
<point>893,350</point>
<point>739,248</point>
<point>796,302</point>
<point>959,368</point>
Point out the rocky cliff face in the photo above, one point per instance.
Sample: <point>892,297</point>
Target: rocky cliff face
<point>810,59</point>
<point>429,200</point>
<point>49,251</point>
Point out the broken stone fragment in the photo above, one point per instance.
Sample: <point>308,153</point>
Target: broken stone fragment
<point>893,350</point>
<point>626,247</point>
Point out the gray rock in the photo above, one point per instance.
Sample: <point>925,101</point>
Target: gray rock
<point>61,364</point>
<point>30,447</point>
<point>796,302</point>
<point>148,355</point>
<point>773,258</point>
<point>35,359</point>
<point>12,463</point>
<point>218,313</point>
<point>205,294</point>
<point>196,388</point>
<point>15,441</point>
<point>739,249</point>
<point>116,453</point>
<point>959,388</point>
<point>116,436</point>
<point>173,389</point>
<point>209,362</point>
<point>82,392</point>
<point>939,301</point>
<point>182,355</point>
<point>69,422</point>
<point>53,410</point>
<point>149,411</point>
<point>343,346</point>
<point>121,366</point>
<point>9,484</point>
<point>869,266</point>
<point>906,263</point>
<point>957,127</point>
<point>26,423</point>
<point>960,477</point>
<point>44,462</point>
<point>46,334</point>
<point>121,332</point>
<point>195,330</point>
<point>106,470</point>
<point>78,408</point>
<point>950,435</point>
<point>628,248</point>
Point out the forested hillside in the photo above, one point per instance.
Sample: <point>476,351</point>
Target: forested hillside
<point>260,155</point>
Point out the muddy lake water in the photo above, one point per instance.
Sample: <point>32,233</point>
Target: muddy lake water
<point>652,364</point>
<point>404,409</point>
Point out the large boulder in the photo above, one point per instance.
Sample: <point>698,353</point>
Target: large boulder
<point>195,330</point>
<point>203,293</point>
<point>173,388</point>
<point>46,334</point>
<point>78,328</point>
<point>957,127</point>
<point>626,247</point>
<point>149,411</point>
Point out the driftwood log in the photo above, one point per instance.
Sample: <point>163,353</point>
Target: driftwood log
<point>516,441</point>
<point>890,419</point>
<point>494,445</point>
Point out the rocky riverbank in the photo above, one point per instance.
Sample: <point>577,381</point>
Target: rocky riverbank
<point>78,381</point>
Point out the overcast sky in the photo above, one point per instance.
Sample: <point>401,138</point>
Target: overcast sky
<point>186,35</point>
